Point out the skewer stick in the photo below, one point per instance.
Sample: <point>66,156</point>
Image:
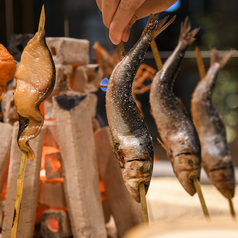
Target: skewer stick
<point>200,64</point>
<point>143,203</point>
<point>41,26</point>
<point>201,198</point>
<point>121,50</point>
<point>20,180</point>
<point>156,54</point>
<point>229,197</point>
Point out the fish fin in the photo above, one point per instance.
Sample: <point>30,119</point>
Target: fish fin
<point>185,33</point>
<point>222,59</point>
<point>154,28</point>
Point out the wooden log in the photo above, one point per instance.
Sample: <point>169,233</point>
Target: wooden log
<point>51,193</point>
<point>67,50</point>
<point>53,168</point>
<point>55,224</point>
<point>30,189</point>
<point>86,78</point>
<point>75,134</point>
<point>96,124</point>
<point>50,136</point>
<point>125,210</point>
<point>1,213</point>
<point>63,73</point>
<point>5,144</point>
<point>9,111</point>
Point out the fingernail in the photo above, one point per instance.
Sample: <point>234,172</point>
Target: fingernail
<point>114,40</point>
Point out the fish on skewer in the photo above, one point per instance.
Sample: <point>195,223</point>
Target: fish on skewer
<point>35,80</point>
<point>177,132</point>
<point>130,136</point>
<point>7,68</point>
<point>216,158</point>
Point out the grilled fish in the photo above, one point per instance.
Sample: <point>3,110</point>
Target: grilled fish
<point>216,158</point>
<point>177,132</point>
<point>7,68</point>
<point>35,80</point>
<point>130,136</point>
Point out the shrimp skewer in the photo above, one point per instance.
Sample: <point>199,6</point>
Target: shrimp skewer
<point>130,136</point>
<point>216,158</point>
<point>178,135</point>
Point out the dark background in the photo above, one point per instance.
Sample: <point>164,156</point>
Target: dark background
<point>218,22</point>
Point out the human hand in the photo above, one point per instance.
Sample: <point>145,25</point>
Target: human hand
<point>120,15</point>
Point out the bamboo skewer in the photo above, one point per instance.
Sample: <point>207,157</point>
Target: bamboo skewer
<point>20,180</point>
<point>143,203</point>
<point>156,54</point>
<point>121,50</point>
<point>229,197</point>
<point>201,198</point>
<point>200,64</point>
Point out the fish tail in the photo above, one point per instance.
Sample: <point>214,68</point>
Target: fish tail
<point>185,33</point>
<point>29,129</point>
<point>155,27</point>
<point>222,59</point>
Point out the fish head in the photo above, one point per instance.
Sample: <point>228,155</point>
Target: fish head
<point>187,166</point>
<point>222,176</point>
<point>136,171</point>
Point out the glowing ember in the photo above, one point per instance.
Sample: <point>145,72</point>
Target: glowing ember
<point>53,225</point>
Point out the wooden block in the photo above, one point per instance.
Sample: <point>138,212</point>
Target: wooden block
<point>78,79</point>
<point>50,136</point>
<point>67,50</point>
<point>48,110</point>
<point>1,213</point>
<point>9,111</point>
<point>86,78</point>
<point>79,165</point>
<point>5,144</point>
<point>96,124</point>
<point>95,75</point>
<point>55,224</point>
<point>125,210</point>
<point>63,73</point>
<point>30,188</point>
<point>53,168</point>
<point>52,194</point>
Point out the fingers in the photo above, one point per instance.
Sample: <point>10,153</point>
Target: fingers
<point>120,15</point>
<point>109,8</point>
<point>120,22</point>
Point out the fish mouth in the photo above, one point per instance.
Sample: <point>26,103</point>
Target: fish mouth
<point>186,180</point>
<point>186,167</point>
<point>134,173</point>
<point>223,180</point>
